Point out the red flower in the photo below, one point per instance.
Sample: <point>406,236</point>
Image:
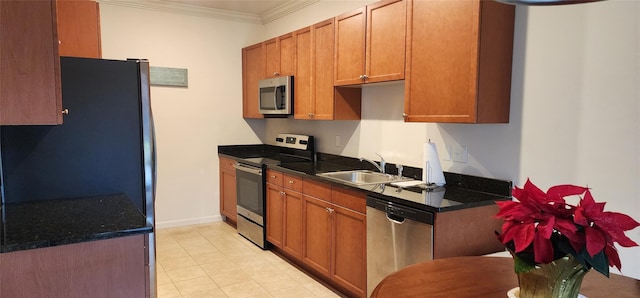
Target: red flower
<point>602,228</point>
<point>538,220</point>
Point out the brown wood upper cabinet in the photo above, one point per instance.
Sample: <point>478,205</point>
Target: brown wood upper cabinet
<point>370,44</point>
<point>79,28</point>
<point>30,91</point>
<point>253,70</point>
<point>315,96</point>
<point>280,56</point>
<point>458,61</point>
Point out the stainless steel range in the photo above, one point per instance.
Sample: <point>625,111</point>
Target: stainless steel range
<point>250,182</point>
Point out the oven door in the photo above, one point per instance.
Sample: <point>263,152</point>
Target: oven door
<point>249,185</point>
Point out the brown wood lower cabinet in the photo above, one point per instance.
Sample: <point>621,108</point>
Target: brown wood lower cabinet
<point>228,196</point>
<point>116,267</point>
<point>320,227</point>
<point>335,238</point>
<point>317,234</point>
<point>349,251</point>
<point>284,214</point>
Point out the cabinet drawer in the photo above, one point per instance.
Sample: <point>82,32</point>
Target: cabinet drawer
<point>274,177</point>
<point>349,199</point>
<point>227,164</point>
<point>316,189</point>
<point>292,182</point>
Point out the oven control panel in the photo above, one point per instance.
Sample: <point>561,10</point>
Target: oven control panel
<point>295,141</point>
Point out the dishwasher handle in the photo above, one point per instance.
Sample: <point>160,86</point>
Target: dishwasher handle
<point>396,219</point>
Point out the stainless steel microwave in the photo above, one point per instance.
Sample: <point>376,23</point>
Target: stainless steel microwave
<point>276,95</point>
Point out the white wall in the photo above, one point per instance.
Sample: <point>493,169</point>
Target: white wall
<point>574,110</point>
<point>190,122</point>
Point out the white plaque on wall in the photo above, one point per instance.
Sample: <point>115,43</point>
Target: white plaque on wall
<point>166,76</point>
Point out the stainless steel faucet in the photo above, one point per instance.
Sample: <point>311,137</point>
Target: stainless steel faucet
<point>379,167</point>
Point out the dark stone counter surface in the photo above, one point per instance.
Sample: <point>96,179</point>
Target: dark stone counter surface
<point>41,224</point>
<point>461,191</point>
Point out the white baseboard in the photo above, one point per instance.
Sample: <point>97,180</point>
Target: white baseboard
<point>186,222</point>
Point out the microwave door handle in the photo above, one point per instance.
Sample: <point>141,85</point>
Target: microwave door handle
<point>275,97</point>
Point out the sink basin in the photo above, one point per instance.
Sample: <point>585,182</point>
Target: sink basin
<point>362,177</point>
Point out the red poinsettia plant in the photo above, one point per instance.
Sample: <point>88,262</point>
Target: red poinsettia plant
<point>542,227</point>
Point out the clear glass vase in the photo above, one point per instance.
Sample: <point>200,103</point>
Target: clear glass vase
<point>560,278</point>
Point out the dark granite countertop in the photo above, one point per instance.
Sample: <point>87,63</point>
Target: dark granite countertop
<point>48,223</point>
<point>462,191</point>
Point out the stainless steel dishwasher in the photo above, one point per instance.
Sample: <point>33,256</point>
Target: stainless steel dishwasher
<point>397,236</point>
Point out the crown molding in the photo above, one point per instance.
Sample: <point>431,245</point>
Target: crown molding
<point>186,9</point>
<point>199,11</point>
<point>285,9</point>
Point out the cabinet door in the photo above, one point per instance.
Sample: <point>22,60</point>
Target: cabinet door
<point>30,91</point>
<point>322,69</point>
<point>272,60</point>
<point>253,68</point>
<point>293,223</point>
<point>349,250</point>
<point>287,55</point>
<point>385,45</point>
<point>303,103</point>
<point>473,68</point>
<point>228,199</point>
<point>317,231</point>
<point>350,47</point>
<point>280,54</point>
<point>275,214</point>
<point>79,28</point>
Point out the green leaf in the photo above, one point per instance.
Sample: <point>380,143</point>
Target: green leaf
<point>599,261</point>
<point>521,265</point>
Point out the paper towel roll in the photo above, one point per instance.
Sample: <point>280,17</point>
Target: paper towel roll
<point>431,171</point>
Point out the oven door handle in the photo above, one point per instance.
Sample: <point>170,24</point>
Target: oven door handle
<point>248,169</point>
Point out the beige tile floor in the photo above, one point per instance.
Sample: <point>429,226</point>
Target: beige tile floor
<point>212,260</point>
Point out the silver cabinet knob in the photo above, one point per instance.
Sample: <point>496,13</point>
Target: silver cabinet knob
<point>364,77</point>
<point>276,73</point>
<point>361,77</point>
<point>404,115</point>
<point>273,176</point>
<point>65,112</point>
<point>291,181</point>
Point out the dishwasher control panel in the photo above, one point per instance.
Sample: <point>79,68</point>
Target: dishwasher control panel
<point>399,212</point>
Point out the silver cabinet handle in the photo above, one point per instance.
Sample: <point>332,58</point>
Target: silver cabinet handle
<point>404,115</point>
<point>276,73</point>
<point>65,112</point>
<point>282,193</point>
<point>291,181</point>
<point>364,77</point>
<point>273,176</point>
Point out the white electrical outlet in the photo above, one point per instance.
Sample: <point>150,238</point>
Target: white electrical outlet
<point>459,153</point>
<point>337,141</point>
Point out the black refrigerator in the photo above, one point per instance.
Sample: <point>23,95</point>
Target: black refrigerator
<point>106,144</point>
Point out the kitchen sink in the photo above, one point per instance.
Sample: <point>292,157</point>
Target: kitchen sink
<point>362,177</point>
